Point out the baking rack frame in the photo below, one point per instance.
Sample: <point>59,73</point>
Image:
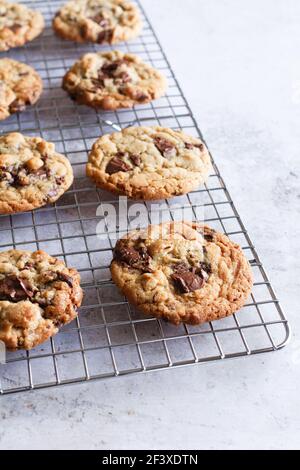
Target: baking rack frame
<point>109,337</point>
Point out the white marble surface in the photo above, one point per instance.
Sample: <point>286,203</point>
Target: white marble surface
<point>239,65</point>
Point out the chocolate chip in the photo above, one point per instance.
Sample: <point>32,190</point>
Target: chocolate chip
<point>65,278</point>
<point>136,159</point>
<point>115,165</point>
<point>187,281</point>
<point>14,289</point>
<point>165,147</point>
<point>137,258</point>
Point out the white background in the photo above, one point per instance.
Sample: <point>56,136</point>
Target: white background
<point>238,62</point>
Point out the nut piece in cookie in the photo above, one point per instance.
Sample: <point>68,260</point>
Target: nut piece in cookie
<point>32,173</point>
<point>149,163</point>
<point>112,80</point>
<point>183,272</point>
<point>98,21</point>
<point>20,86</point>
<point>18,25</point>
<point>38,295</point>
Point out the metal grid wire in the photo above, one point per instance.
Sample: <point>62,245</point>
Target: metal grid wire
<point>110,338</point>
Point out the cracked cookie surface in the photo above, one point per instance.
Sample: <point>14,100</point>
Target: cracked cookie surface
<point>98,21</point>
<point>112,80</point>
<point>18,25</point>
<point>38,295</point>
<point>183,272</point>
<point>149,163</point>
<point>32,173</point>
<point>20,86</point>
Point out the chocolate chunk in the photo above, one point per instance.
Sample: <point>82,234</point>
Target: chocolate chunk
<point>109,68</point>
<point>65,278</point>
<point>29,265</point>
<point>120,154</point>
<point>209,237</point>
<point>100,20</point>
<point>136,159</point>
<point>191,146</point>
<point>140,96</point>
<point>42,173</point>
<point>84,30</point>
<point>180,267</point>
<point>137,258</point>
<point>6,176</point>
<point>20,178</point>
<point>17,106</point>
<point>124,77</point>
<point>60,180</point>
<point>14,289</point>
<point>15,27</point>
<point>24,283</point>
<point>97,83</point>
<point>165,147</point>
<point>204,270</point>
<point>200,147</point>
<point>187,281</point>
<point>205,267</point>
<point>115,165</point>
<point>105,36</point>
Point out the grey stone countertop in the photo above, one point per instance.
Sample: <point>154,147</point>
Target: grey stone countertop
<point>239,66</point>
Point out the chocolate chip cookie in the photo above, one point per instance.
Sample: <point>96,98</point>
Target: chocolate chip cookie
<point>112,80</point>
<point>149,163</point>
<point>98,21</point>
<point>32,173</point>
<point>182,272</point>
<point>20,86</point>
<point>18,25</point>
<point>38,295</point>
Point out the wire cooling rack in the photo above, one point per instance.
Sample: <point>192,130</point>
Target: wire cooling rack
<point>110,338</point>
